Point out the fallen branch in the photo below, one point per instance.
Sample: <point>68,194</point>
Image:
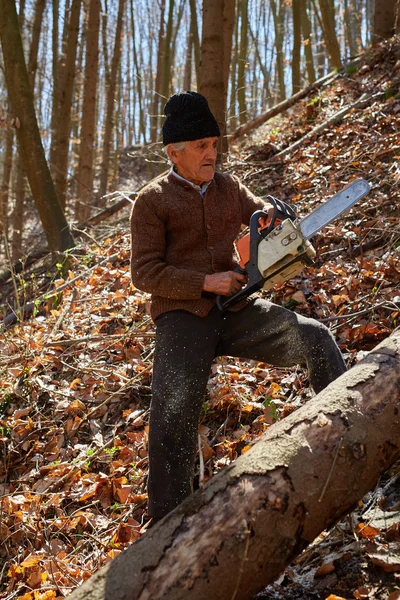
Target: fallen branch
<point>281,107</point>
<point>338,116</point>
<point>237,534</point>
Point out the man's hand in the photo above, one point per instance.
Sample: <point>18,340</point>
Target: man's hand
<point>224,284</point>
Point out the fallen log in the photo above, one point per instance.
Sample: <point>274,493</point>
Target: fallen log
<point>232,538</point>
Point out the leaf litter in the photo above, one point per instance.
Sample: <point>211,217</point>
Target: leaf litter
<point>75,378</point>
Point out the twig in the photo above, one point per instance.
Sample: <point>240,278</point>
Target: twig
<point>98,338</point>
<point>62,316</point>
<point>350,315</point>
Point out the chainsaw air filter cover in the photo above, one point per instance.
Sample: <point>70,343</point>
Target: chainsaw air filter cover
<point>283,254</point>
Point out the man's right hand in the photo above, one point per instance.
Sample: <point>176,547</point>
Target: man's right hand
<point>224,284</point>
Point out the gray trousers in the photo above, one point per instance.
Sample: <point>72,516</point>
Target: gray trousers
<point>185,348</point>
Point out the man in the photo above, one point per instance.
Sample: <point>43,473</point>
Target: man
<point>183,228</point>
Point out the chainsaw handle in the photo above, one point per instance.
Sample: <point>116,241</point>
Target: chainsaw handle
<point>281,210</point>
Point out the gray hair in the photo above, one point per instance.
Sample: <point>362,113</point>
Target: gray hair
<point>177,146</point>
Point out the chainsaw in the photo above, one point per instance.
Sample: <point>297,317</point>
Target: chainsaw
<point>280,250</point>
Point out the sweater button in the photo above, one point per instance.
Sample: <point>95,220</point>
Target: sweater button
<point>211,247</point>
<point>208,227</point>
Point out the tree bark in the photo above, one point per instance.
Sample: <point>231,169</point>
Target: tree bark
<point>328,23</point>
<point>5,184</point>
<point>242,60</point>
<point>278,13</point>
<point>196,40</point>
<point>154,121</point>
<point>236,535</point>
<point>296,52</point>
<point>30,145</point>
<point>110,112</point>
<point>88,128</point>
<point>65,105</point>
<point>167,57</point>
<point>307,37</point>
<point>384,19</point>
<point>212,60</point>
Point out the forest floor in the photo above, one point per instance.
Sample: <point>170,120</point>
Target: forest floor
<point>75,376</point>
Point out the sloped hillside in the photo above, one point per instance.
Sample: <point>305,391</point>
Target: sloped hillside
<point>75,376</point>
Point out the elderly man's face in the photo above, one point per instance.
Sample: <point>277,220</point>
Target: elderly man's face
<point>196,162</point>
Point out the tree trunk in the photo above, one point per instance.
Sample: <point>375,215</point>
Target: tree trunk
<point>55,105</point>
<point>296,52</point>
<point>88,129</point>
<point>110,111</point>
<point>349,28</point>
<point>30,145</point>
<point>65,106</point>
<point>308,45</point>
<point>242,60</point>
<point>20,188</point>
<point>328,23</point>
<point>142,123</point>
<point>167,58</point>
<point>105,42</point>
<point>33,54</point>
<point>187,77</point>
<point>17,216</point>
<point>212,61</point>
<point>157,84</point>
<point>384,19</point>
<point>229,25</point>
<point>196,40</point>
<point>263,69</point>
<point>278,15</point>
<point>5,184</point>
<point>233,94</point>
<point>232,538</point>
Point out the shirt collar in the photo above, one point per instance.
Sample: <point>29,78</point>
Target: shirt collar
<point>200,188</point>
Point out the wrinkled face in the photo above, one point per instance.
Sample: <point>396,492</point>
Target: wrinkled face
<point>196,162</point>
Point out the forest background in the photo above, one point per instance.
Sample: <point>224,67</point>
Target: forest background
<point>75,377</point>
<point>99,73</point>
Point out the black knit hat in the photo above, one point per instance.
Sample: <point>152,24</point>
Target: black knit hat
<point>188,118</point>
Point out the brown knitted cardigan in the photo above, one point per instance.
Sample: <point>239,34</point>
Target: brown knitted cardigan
<point>178,237</point>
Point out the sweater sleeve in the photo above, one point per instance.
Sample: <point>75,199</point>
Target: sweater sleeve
<point>150,272</point>
<point>249,202</point>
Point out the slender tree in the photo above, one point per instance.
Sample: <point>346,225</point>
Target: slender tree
<point>278,12</point>
<point>307,38</point>
<point>29,141</point>
<point>66,93</point>
<point>157,84</point>
<point>20,180</point>
<point>385,14</point>
<point>328,24</point>
<point>142,124</point>
<point>296,52</point>
<point>5,184</point>
<point>242,60</point>
<point>110,112</point>
<point>212,60</point>
<point>196,39</point>
<point>87,135</point>
<point>167,54</point>
<point>187,78</point>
